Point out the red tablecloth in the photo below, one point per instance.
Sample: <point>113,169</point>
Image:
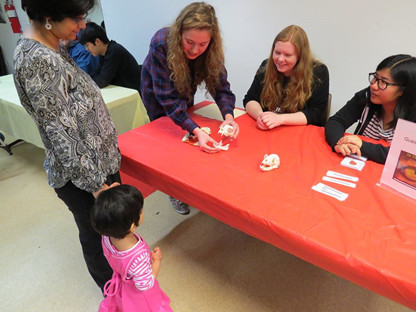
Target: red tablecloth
<point>369,239</point>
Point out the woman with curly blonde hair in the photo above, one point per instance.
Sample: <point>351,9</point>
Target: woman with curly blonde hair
<point>291,87</point>
<point>180,58</point>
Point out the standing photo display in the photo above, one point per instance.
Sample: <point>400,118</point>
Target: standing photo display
<point>400,168</point>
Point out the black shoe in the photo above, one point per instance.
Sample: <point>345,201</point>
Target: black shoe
<point>179,206</point>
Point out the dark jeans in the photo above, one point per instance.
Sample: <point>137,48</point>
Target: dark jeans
<point>80,202</point>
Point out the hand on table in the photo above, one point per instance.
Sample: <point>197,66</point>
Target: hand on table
<point>204,139</point>
<point>349,144</point>
<point>260,124</point>
<point>352,139</point>
<point>269,120</point>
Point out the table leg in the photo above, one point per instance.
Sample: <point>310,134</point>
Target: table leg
<point>8,147</point>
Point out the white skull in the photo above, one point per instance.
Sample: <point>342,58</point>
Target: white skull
<point>270,162</point>
<point>226,130</point>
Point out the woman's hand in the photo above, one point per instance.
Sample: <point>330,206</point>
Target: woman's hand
<point>349,144</point>
<point>271,120</point>
<point>260,124</point>
<point>229,120</point>
<point>104,187</point>
<point>347,148</point>
<point>351,139</point>
<point>204,139</point>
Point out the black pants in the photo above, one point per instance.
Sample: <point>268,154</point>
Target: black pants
<point>80,203</point>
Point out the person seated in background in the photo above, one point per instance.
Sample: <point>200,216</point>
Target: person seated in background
<point>118,66</point>
<point>291,87</point>
<point>391,95</point>
<point>89,63</point>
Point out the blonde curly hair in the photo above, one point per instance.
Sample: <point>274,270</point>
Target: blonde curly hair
<point>210,64</point>
<point>297,91</point>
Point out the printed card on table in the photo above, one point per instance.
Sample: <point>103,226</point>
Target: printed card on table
<point>400,168</point>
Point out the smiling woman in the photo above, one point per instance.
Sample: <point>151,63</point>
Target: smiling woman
<point>289,88</point>
<point>391,95</point>
<point>180,58</point>
<point>195,42</point>
<point>82,155</point>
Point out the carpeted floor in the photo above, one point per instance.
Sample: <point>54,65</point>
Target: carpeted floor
<point>206,265</point>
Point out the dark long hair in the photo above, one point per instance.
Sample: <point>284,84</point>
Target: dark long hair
<point>403,71</point>
<point>56,10</point>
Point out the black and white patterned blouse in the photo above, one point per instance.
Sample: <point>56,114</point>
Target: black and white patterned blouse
<point>67,106</point>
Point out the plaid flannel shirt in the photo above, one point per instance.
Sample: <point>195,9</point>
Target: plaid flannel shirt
<point>159,94</point>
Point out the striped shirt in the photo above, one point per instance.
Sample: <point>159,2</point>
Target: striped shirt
<point>375,130</point>
<point>140,269</point>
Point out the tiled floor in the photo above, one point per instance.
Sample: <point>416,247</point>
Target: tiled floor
<point>207,265</point>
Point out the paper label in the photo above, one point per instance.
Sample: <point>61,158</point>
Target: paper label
<point>341,176</point>
<point>353,163</point>
<point>322,188</point>
<point>340,182</point>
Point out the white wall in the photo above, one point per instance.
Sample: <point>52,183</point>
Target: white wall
<point>350,36</point>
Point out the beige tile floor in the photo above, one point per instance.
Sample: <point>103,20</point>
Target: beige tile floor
<point>207,265</point>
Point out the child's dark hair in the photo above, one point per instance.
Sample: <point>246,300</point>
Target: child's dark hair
<point>116,209</point>
<point>91,32</point>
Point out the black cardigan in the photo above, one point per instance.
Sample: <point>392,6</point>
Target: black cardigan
<point>315,108</point>
<point>358,109</point>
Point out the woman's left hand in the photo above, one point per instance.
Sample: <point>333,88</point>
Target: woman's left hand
<point>271,119</point>
<point>235,126</point>
<point>350,139</point>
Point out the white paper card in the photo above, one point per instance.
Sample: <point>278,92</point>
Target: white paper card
<point>341,176</point>
<point>340,182</point>
<point>353,163</point>
<point>320,187</point>
<point>400,167</point>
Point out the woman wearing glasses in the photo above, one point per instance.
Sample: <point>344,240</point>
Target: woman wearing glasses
<point>390,96</point>
<point>81,151</point>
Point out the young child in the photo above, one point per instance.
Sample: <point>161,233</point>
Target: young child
<point>133,287</point>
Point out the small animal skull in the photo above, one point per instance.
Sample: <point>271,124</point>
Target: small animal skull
<point>226,130</point>
<point>270,162</point>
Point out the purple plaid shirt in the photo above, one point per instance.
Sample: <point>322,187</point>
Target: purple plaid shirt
<point>159,94</point>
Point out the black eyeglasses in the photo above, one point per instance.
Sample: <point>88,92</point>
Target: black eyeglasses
<point>382,84</point>
<point>79,19</point>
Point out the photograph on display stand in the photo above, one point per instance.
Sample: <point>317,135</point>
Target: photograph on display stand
<point>405,171</point>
